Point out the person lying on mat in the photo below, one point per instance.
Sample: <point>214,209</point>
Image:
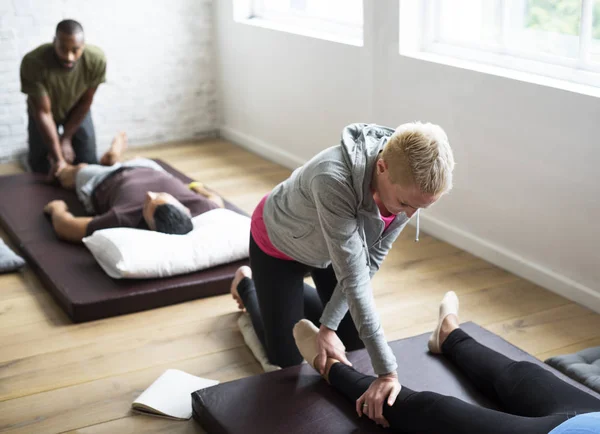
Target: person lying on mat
<point>336,218</point>
<point>531,398</point>
<point>60,80</point>
<point>138,193</point>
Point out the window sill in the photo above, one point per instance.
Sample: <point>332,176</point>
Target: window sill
<point>298,29</point>
<point>500,71</point>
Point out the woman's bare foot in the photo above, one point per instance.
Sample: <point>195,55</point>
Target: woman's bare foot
<point>117,147</point>
<point>243,271</point>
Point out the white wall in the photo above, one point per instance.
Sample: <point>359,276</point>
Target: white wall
<point>526,193</point>
<point>160,76</point>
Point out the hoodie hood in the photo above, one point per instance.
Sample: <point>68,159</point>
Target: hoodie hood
<point>362,144</point>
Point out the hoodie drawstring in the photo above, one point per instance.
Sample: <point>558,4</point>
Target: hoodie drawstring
<point>417,234</point>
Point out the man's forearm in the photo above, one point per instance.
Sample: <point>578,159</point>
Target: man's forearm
<point>77,116</point>
<point>47,126</point>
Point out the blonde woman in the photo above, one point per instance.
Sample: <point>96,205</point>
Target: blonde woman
<point>336,218</point>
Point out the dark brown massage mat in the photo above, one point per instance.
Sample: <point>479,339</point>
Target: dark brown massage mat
<point>71,273</point>
<point>296,400</point>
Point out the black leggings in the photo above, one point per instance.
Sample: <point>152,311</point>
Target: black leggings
<point>277,298</point>
<point>533,400</point>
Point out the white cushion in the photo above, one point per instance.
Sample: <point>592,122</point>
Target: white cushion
<point>219,236</point>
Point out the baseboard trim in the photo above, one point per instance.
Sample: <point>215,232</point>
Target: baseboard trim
<point>261,148</point>
<point>513,263</point>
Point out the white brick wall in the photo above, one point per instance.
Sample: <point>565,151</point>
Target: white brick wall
<point>160,78</point>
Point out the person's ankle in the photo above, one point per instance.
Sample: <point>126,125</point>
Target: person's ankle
<point>449,324</point>
<point>330,362</point>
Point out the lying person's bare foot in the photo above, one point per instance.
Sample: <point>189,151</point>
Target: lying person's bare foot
<point>117,147</point>
<point>243,271</point>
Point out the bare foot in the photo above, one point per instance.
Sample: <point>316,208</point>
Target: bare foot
<point>243,271</point>
<point>449,324</point>
<point>117,147</point>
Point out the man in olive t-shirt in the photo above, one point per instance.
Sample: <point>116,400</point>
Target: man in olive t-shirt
<point>60,80</point>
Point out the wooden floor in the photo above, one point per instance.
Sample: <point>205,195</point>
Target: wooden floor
<point>58,377</point>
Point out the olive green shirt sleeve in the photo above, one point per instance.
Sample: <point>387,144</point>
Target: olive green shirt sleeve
<point>98,72</point>
<point>31,78</point>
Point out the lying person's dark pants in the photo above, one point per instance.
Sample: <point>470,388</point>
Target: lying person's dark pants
<point>277,298</point>
<point>83,141</point>
<point>532,400</point>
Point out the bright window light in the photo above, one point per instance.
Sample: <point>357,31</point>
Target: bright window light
<point>335,20</point>
<point>558,39</point>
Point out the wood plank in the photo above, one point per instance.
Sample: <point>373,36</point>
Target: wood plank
<point>142,424</point>
<point>11,168</point>
<point>570,349</point>
<point>540,332</point>
<point>36,339</point>
<point>107,399</point>
<point>117,355</point>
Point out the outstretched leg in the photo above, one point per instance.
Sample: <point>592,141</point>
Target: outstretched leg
<point>423,412</point>
<point>521,388</point>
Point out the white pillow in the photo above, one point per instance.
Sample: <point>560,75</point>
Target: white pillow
<point>219,236</point>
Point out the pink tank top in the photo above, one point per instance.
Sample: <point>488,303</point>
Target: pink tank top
<point>261,237</point>
<point>387,221</point>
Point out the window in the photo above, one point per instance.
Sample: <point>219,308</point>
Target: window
<point>558,39</point>
<point>335,20</point>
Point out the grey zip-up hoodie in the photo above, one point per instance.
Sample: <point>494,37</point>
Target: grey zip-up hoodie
<point>325,213</point>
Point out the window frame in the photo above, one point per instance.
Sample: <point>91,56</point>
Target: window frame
<point>579,70</point>
<point>254,12</point>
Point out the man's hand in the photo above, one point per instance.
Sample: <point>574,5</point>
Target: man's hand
<point>371,402</point>
<point>56,206</point>
<point>66,147</point>
<point>329,345</point>
<point>56,167</point>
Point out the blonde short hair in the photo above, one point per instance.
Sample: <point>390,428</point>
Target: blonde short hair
<point>419,155</point>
